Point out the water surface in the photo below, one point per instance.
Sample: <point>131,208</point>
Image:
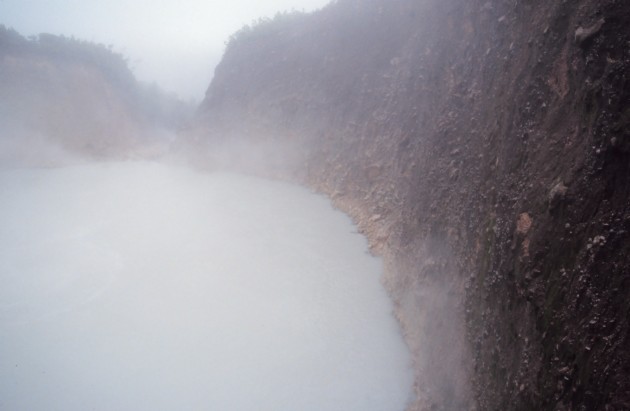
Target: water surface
<point>137,286</point>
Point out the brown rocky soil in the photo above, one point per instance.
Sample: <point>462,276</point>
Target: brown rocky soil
<point>484,148</point>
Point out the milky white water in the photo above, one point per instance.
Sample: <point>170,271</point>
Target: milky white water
<point>136,286</point>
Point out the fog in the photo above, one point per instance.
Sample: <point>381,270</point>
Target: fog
<point>136,285</point>
<point>176,44</point>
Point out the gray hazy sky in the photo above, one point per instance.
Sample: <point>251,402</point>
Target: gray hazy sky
<point>176,43</point>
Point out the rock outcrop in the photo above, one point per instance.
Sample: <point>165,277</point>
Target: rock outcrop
<point>484,148</point>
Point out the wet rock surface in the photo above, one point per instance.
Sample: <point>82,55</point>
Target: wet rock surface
<point>484,149</point>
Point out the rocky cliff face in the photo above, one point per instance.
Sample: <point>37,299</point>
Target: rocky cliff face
<point>61,96</point>
<point>484,148</point>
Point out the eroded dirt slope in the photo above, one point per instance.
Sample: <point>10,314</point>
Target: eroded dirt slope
<point>63,97</point>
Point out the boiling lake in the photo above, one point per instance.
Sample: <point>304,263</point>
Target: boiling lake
<point>141,286</point>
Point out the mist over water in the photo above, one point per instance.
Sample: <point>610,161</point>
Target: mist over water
<point>131,286</point>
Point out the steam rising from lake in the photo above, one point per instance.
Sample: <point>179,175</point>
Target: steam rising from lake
<point>137,286</point>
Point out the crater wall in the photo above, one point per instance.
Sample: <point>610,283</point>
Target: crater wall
<point>484,149</point>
